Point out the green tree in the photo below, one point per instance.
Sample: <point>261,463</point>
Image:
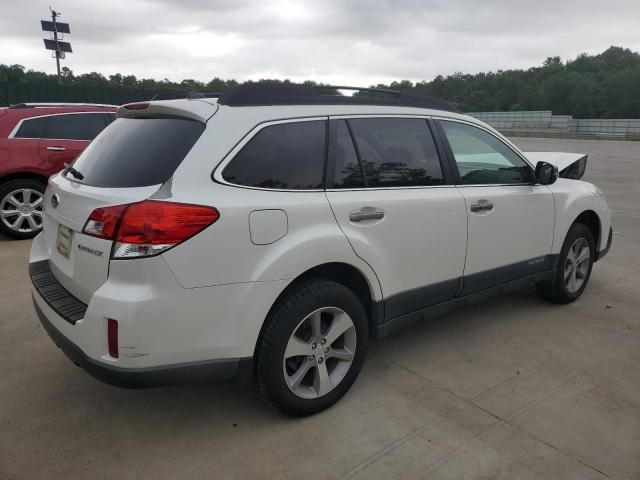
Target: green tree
<point>589,86</point>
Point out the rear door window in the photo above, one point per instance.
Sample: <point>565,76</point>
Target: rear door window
<point>397,152</point>
<point>283,156</point>
<point>75,126</point>
<point>138,152</point>
<point>347,168</point>
<point>32,128</point>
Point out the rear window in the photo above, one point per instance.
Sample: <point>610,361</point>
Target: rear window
<point>287,156</point>
<point>138,152</point>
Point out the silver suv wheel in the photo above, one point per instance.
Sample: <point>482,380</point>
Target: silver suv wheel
<point>21,210</point>
<point>576,266</point>
<point>319,352</point>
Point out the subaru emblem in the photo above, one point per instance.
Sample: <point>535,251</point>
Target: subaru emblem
<point>55,200</point>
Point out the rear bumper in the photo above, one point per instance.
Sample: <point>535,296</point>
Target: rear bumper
<point>141,377</point>
<point>160,324</point>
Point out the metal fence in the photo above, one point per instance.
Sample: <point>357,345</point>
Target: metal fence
<point>24,92</point>
<point>544,121</point>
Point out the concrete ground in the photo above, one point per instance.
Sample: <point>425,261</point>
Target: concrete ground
<point>515,388</point>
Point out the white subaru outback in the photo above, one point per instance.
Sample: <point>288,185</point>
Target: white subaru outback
<point>280,227</point>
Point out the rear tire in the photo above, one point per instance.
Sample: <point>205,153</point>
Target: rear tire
<point>573,268</point>
<point>21,207</point>
<point>312,348</point>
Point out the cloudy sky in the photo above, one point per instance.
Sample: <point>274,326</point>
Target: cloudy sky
<point>349,41</point>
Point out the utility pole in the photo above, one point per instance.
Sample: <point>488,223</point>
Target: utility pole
<point>59,47</point>
<point>55,15</point>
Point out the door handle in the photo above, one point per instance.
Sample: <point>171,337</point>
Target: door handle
<point>482,206</point>
<point>56,149</point>
<point>366,213</point>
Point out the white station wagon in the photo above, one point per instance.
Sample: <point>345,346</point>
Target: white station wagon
<point>277,228</point>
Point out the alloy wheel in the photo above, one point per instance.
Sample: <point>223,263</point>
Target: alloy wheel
<point>21,210</point>
<point>576,265</point>
<point>319,352</point>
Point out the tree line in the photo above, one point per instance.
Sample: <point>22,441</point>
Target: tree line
<point>606,85</point>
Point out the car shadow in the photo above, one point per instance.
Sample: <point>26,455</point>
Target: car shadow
<point>6,238</point>
<point>227,406</point>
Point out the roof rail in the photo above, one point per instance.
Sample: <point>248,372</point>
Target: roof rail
<point>276,93</point>
<point>178,94</point>
<point>60,104</point>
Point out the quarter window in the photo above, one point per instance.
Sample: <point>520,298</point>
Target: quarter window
<point>287,156</point>
<point>32,128</point>
<point>482,158</point>
<point>397,152</point>
<point>78,126</point>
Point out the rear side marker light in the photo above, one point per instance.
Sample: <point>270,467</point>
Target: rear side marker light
<point>112,337</point>
<point>150,227</point>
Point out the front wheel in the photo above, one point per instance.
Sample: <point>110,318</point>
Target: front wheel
<point>573,269</point>
<point>312,349</point>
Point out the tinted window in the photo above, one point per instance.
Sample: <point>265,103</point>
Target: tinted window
<point>137,152</point>
<point>482,158</point>
<point>77,126</point>
<point>347,169</point>
<point>397,152</point>
<point>32,128</point>
<point>289,155</point>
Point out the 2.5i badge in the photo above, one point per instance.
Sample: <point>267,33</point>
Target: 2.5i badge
<point>92,251</point>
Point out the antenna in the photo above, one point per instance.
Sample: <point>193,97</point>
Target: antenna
<point>57,29</point>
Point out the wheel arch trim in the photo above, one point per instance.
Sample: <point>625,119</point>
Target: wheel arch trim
<point>346,274</point>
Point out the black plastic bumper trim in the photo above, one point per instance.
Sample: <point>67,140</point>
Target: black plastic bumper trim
<point>603,252</point>
<point>56,296</point>
<point>477,282</point>
<point>143,377</point>
<point>434,311</point>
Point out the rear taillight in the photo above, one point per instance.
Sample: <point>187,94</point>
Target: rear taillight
<point>150,227</point>
<point>103,222</point>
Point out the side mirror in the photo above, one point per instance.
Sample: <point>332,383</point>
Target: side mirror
<point>546,174</point>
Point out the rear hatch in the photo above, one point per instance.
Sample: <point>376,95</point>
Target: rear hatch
<point>127,163</point>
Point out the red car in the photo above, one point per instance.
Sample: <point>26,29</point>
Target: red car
<point>36,140</point>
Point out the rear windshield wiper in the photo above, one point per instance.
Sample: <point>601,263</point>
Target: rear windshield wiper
<point>69,169</point>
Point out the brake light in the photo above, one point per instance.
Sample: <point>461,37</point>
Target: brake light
<point>136,106</point>
<point>149,227</point>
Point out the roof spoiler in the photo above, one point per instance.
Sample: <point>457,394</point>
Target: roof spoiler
<point>186,108</point>
<point>178,94</point>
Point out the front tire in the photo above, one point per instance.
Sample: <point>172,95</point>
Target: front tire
<point>21,207</point>
<point>312,348</point>
<point>573,269</point>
